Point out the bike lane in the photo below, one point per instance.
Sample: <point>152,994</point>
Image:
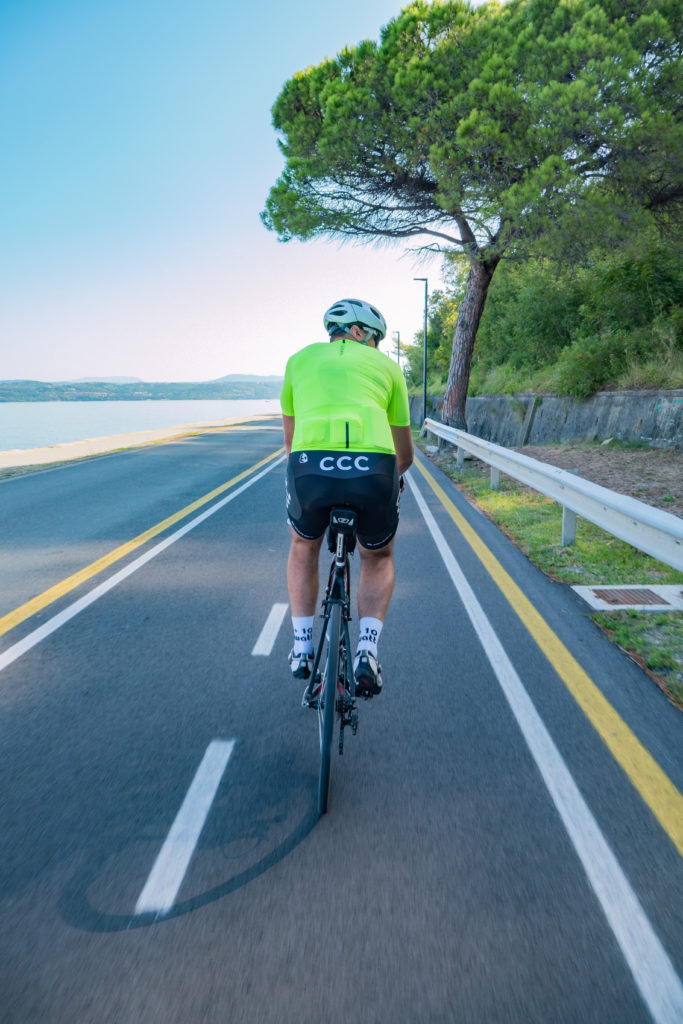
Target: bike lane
<point>622,742</point>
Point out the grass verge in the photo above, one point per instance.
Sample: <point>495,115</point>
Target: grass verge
<point>533,522</point>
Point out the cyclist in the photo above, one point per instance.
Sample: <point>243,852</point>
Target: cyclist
<point>347,435</point>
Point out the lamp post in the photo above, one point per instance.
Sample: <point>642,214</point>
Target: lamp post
<point>424,356</point>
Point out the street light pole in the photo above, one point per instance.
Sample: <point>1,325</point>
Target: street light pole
<point>424,356</point>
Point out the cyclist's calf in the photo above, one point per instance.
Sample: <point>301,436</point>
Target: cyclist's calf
<point>376,581</point>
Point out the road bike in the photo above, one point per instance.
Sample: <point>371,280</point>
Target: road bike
<point>332,691</point>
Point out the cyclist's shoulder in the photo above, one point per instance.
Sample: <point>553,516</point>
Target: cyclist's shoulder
<point>312,351</point>
<point>391,367</point>
<point>315,348</point>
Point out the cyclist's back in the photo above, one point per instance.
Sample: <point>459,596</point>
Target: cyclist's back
<point>347,433</point>
<point>347,398</point>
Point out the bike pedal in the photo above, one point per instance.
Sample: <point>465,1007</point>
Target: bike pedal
<point>309,701</point>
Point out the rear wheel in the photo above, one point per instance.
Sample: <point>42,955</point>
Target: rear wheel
<point>327,713</point>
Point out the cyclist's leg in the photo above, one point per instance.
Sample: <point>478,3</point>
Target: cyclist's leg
<point>374,592</point>
<point>378,502</point>
<point>308,520</point>
<point>308,504</point>
<point>302,574</point>
<point>302,585</point>
<point>376,581</point>
<point>376,534</point>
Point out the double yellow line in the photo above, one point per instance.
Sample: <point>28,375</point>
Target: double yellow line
<point>654,786</point>
<point>36,604</point>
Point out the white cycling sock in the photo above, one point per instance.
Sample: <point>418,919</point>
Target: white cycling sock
<point>303,633</point>
<point>370,630</point>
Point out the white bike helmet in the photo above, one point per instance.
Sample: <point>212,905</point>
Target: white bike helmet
<point>347,312</point>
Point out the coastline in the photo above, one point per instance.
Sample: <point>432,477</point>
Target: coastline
<point>71,451</point>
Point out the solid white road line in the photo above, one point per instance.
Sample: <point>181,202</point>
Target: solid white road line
<point>268,635</point>
<point>170,866</point>
<point>49,627</point>
<point>657,981</point>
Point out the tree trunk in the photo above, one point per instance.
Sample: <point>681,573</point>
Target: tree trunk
<point>466,326</point>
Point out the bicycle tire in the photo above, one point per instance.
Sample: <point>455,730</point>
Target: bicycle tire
<point>330,697</point>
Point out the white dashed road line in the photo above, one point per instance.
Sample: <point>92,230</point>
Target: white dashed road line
<point>268,635</point>
<point>169,869</point>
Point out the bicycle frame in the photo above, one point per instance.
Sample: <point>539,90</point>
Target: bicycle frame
<point>337,696</point>
<point>339,592</point>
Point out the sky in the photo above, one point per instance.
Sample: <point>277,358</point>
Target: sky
<point>137,153</point>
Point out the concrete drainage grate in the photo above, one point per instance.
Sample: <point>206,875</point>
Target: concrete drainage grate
<point>657,598</point>
<point>622,596</point>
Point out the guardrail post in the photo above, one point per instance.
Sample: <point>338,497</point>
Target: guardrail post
<point>568,526</point>
<point>495,478</point>
<point>461,458</point>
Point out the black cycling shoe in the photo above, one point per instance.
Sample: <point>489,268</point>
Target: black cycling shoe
<point>301,664</point>
<point>368,674</point>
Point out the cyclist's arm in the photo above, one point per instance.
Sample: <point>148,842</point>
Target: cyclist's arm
<point>403,444</point>
<point>288,428</point>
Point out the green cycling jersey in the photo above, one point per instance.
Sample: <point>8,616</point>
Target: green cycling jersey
<point>344,396</point>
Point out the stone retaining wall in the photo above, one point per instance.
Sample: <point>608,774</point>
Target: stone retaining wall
<point>653,417</point>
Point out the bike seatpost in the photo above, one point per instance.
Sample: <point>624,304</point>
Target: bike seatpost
<point>341,550</point>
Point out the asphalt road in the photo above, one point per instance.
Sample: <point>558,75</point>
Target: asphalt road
<point>504,833</point>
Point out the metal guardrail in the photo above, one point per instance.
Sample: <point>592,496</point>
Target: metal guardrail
<point>649,529</point>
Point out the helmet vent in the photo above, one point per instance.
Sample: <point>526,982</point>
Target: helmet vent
<point>347,312</point>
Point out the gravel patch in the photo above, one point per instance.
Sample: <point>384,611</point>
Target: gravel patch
<point>648,474</point>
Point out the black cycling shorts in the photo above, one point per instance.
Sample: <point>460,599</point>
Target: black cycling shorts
<point>368,482</point>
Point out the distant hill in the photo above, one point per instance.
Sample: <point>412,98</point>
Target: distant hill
<point>233,386</point>
<point>245,377</point>
<point>101,380</point>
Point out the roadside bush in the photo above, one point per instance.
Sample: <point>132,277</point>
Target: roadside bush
<point>586,366</point>
<point>602,361</point>
<point>577,330</point>
<point>505,379</point>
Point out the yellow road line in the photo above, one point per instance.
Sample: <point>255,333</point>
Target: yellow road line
<point>654,786</point>
<point>36,604</point>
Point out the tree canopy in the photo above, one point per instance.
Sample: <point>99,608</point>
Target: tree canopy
<point>502,131</point>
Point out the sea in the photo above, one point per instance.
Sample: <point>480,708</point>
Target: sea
<point>39,424</point>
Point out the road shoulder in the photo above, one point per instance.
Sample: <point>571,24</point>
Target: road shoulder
<point>654,641</point>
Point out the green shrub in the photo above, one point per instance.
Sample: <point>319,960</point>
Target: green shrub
<point>585,367</point>
<point>577,330</point>
<point>605,360</point>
